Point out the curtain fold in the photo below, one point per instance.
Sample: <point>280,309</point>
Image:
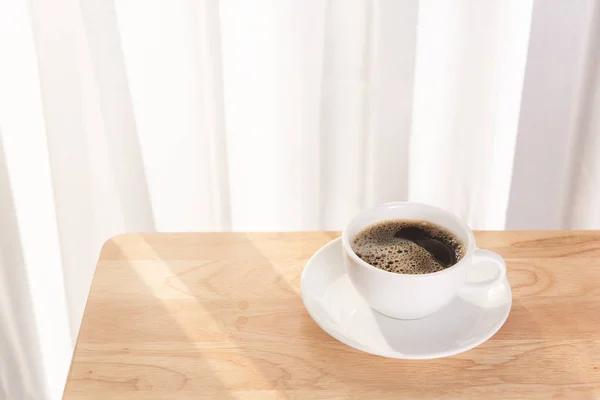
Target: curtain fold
<point>271,115</point>
<point>469,74</point>
<point>548,156</point>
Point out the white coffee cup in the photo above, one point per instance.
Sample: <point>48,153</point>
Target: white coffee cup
<point>406,296</point>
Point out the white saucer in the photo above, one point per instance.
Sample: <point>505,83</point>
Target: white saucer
<point>331,300</point>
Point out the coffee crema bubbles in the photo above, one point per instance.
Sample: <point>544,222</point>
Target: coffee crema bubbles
<point>408,246</point>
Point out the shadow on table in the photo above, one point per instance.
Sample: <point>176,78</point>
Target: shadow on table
<point>259,337</point>
<point>154,356</point>
<point>248,293</point>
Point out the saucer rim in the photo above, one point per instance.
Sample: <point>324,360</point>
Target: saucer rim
<point>348,341</point>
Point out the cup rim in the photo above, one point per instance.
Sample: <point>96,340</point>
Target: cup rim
<point>470,245</point>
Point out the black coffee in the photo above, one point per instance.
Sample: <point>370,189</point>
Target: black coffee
<point>408,247</point>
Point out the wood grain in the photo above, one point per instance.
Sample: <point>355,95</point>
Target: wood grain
<point>202,316</point>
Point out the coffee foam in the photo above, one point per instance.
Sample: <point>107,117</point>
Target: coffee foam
<point>377,246</point>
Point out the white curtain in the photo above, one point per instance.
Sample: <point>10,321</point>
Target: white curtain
<point>189,115</point>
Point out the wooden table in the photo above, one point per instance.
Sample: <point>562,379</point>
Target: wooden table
<point>199,316</point>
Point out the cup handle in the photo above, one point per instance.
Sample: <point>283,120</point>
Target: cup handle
<point>481,256</point>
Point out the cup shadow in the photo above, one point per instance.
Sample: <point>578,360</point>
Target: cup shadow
<point>453,326</point>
